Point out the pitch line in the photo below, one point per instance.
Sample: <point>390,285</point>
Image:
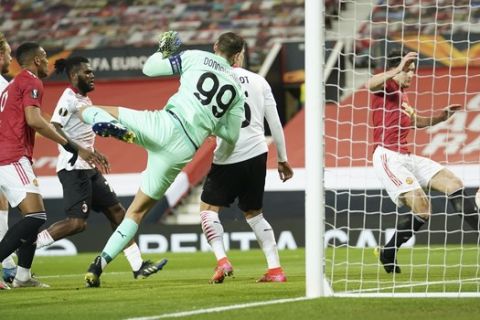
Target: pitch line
<point>417,284</point>
<point>220,309</point>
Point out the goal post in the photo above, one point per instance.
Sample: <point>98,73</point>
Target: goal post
<point>347,210</point>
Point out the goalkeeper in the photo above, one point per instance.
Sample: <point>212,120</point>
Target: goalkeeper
<point>209,101</point>
<point>403,174</point>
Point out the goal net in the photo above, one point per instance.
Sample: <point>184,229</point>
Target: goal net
<point>443,257</point>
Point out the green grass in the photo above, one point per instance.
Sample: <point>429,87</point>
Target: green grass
<point>183,286</point>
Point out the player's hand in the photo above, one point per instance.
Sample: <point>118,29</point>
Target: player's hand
<point>450,110</point>
<point>95,158</point>
<point>169,43</point>
<point>284,171</point>
<point>70,148</point>
<point>407,60</point>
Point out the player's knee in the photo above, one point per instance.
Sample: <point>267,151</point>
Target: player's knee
<point>252,213</point>
<point>78,225</point>
<point>454,185</point>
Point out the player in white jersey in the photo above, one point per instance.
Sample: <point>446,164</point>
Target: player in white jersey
<point>239,172</point>
<point>209,102</point>
<point>84,187</point>
<point>9,268</point>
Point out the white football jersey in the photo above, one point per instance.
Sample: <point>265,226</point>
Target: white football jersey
<point>259,104</point>
<point>66,114</point>
<point>3,83</point>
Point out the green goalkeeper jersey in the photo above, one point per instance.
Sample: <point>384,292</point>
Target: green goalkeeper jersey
<point>210,99</point>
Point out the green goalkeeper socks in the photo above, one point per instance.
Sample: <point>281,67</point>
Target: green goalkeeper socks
<point>119,239</point>
<point>92,115</point>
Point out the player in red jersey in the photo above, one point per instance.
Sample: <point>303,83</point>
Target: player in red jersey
<point>20,119</point>
<point>403,174</point>
<point>9,268</point>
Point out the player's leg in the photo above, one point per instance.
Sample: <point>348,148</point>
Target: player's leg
<point>266,240</point>
<point>219,190</point>
<point>124,233</point>
<point>251,202</point>
<point>447,182</point>
<point>168,153</point>
<point>395,171</point>
<point>104,121</point>
<point>21,189</point>
<point>77,199</point>
<point>105,200</point>
<point>9,268</point>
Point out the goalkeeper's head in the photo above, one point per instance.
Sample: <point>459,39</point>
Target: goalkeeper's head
<point>230,46</point>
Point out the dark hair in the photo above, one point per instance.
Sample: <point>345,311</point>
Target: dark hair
<point>69,64</point>
<point>394,58</point>
<point>230,44</point>
<point>26,51</point>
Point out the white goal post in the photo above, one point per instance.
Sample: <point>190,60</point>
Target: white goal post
<point>347,210</point>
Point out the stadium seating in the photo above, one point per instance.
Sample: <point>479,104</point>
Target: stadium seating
<point>69,24</point>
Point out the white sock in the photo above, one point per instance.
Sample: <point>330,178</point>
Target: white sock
<point>266,239</point>
<point>8,263</point>
<point>213,231</point>
<point>23,274</point>
<point>44,239</point>
<point>134,256</point>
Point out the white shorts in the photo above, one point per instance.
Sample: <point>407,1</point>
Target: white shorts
<point>16,179</point>
<point>401,173</point>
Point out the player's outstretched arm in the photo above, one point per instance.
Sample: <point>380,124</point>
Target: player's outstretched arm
<point>164,62</point>
<point>447,112</point>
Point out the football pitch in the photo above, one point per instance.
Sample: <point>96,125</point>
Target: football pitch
<point>181,290</point>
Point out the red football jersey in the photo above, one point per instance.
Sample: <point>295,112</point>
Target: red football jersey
<point>391,118</point>
<point>16,137</point>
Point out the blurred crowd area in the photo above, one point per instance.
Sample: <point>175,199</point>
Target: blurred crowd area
<point>70,24</point>
<point>458,20</point>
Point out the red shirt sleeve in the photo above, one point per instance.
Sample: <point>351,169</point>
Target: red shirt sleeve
<point>32,93</point>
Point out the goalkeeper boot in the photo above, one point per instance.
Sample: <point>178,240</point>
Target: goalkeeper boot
<point>388,259</point>
<point>92,277</point>
<point>273,275</point>
<point>32,282</point>
<point>9,274</point>
<point>224,269</point>
<point>148,268</point>
<point>113,129</point>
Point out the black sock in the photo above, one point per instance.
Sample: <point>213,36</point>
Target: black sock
<point>406,226</point>
<point>26,252</point>
<point>21,233</point>
<point>463,205</point>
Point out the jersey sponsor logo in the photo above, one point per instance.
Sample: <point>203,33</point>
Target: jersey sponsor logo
<point>35,94</point>
<point>409,180</point>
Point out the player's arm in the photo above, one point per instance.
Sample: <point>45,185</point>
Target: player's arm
<point>156,65</point>
<point>228,128</point>
<point>271,115</point>
<point>165,62</point>
<point>377,82</point>
<point>93,157</point>
<point>423,122</point>
<point>38,123</point>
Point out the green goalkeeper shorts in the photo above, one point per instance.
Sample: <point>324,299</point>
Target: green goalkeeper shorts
<point>167,145</point>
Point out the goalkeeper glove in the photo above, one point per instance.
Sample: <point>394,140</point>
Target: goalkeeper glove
<point>169,43</point>
<point>70,148</point>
